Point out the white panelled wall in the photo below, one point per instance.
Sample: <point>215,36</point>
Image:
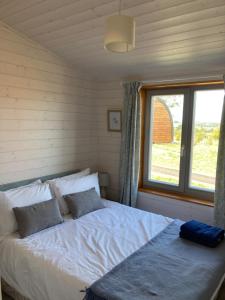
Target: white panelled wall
<point>174,208</point>
<point>109,96</point>
<point>46,112</point>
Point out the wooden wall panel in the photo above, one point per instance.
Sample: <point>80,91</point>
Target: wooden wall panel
<point>108,96</point>
<point>46,112</point>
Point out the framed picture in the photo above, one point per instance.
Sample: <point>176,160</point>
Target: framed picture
<point>114,120</point>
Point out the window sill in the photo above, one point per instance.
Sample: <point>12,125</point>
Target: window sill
<point>178,197</point>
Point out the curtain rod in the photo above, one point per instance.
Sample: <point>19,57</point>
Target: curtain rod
<point>176,80</point>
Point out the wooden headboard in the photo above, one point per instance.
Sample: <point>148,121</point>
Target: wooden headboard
<point>7,186</point>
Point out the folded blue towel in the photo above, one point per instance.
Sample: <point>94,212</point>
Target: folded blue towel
<point>201,233</point>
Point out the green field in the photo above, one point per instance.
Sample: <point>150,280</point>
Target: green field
<point>203,162</point>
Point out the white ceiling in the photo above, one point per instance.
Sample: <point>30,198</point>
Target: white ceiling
<point>172,36</point>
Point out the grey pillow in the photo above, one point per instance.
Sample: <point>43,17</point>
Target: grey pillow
<point>37,217</point>
<point>82,203</point>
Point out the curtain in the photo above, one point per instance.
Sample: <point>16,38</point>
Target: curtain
<point>130,144</point>
<point>219,200</point>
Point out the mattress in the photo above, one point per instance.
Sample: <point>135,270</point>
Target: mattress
<point>62,261</point>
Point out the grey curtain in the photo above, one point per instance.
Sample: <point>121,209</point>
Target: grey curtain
<point>219,200</point>
<point>130,144</point>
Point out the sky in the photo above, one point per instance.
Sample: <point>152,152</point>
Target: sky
<point>208,106</point>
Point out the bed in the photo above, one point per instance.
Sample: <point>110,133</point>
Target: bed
<point>59,266</point>
<point>62,261</point>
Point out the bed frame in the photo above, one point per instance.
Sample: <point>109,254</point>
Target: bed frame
<point>8,186</point>
<point>11,292</point>
<point>6,288</point>
<point>221,293</point>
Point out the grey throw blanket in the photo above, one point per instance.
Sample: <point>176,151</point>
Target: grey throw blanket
<point>166,268</point>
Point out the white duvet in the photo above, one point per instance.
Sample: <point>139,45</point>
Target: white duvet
<point>59,262</point>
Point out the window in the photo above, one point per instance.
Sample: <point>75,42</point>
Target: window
<point>181,139</point>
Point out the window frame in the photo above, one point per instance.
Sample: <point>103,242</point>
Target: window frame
<point>187,125</point>
<point>148,133</point>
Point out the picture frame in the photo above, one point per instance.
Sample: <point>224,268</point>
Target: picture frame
<point>114,120</point>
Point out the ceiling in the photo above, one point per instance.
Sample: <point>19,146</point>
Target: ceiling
<point>172,36</point>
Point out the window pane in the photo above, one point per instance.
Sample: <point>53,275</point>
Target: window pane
<point>205,135</point>
<point>165,138</point>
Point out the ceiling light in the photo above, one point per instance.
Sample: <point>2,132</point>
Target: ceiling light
<point>120,33</point>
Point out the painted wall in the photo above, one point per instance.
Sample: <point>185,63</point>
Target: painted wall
<point>47,114</point>
<point>174,208</point>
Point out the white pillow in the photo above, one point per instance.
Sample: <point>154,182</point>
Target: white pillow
<point>56,181</point>
<point>22,196</point>
<point>65,187</point>
<point>82,173</point>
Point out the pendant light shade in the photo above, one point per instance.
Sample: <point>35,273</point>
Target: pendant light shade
<point>120,34</point>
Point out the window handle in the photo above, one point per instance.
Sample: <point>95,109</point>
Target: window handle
<point>182,151</point>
